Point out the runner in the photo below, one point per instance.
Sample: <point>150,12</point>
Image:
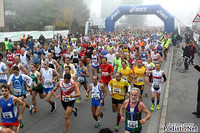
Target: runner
<point>143,54</point>
<point>133,110</point>
<point>149,65</point>
<point>6,130</point>
<point>82,73</point>
<point>73,69</point>
<point>89,53</point>
<point>25,58</point>
<point>22,69</point>
<point>69,92</point>
<point>18,51</point>
<point>10,60</point>
<point>156,56</point>
<point>110,57</point>
<point>37,86</point>
<point>160,49</point>
<point>3,71</point>
<point>95,62</point>
<point>98,94</point>
<point>19,82</point>
<point>52,62</point>
<point>166,47</point>
<point>118,89</point>
<point>132,57</point>
<point>156,80</point>
<point>117,62</point>
<point>10,117</point>
<point>36,56</point>
<point>106,72</point>
<point>49,81</point>
<point>83,55</point>
<point>139,72</point>
<point>58,52</point>
<point>75,58</point>
<point>125,71</point>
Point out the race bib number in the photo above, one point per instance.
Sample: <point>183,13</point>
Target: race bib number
<point>7,115</point>
<point>140,80</point>
<point>95,96</point>
<point>65,99</point>
<point>17,91</point>
<point>156,86</point>
<point>80,79</point>
<point>126,53</point>
<point>115,90</point>
<point>48,82</point>
<point>132,124</point>
<point>35,55</point>
<point>104,73</point>
<point>125,78</point>
<point>10,62</point>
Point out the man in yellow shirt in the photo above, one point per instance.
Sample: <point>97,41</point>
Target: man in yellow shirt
<point>139,72</point>
<point>126,72</point>
<point>118,89</point>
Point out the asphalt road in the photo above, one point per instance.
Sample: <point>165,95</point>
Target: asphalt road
<point>183,93</point>
<point>45,122</point>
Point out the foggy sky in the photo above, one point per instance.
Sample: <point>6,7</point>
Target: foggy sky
<point>184,10</point>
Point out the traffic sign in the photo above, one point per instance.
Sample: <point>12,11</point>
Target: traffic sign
<point>197,18</point>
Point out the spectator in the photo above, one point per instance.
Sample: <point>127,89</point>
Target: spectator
<point>27,39</point>
<point>24,38</point>
<point>6,45</point>
<point>31,43</point>
<point>186,52</point>
<point>192,51</point>
<point>22,42</point>
<point>41,40</point>
<point>10,45</point>
<point>197,113</point>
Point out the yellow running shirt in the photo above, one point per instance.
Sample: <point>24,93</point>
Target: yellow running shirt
<point>125,73</point>
<point>139,72</point>
<point>118,88</point>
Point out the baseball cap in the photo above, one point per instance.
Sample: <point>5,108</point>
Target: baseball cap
<point>139,61</point>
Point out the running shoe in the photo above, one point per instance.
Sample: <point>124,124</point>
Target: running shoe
<point>152,107</point>
<point>31,109</point>
<point>78,100</point>
<point>101,115</point>
<point>75,113</point>
<point>53,107</point>
<point>35,110</point>
<point>157,107</point>
<point>21,125</point>
<point>116,128</point>
<point>97,124</point>
<point>87,98</point>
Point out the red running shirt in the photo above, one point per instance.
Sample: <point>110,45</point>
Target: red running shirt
<point>106,69</point>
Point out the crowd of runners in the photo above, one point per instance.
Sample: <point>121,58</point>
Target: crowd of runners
<point>123,65</point>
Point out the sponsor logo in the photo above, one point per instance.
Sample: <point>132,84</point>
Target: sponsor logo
<point>115,14</point>
<point>138,9</point>
<point>9,104</point>
<point>162,14</point>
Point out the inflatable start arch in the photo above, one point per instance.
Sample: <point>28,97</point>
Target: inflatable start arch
<point>166,17</point>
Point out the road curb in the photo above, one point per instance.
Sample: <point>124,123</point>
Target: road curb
<point>165,101</point>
